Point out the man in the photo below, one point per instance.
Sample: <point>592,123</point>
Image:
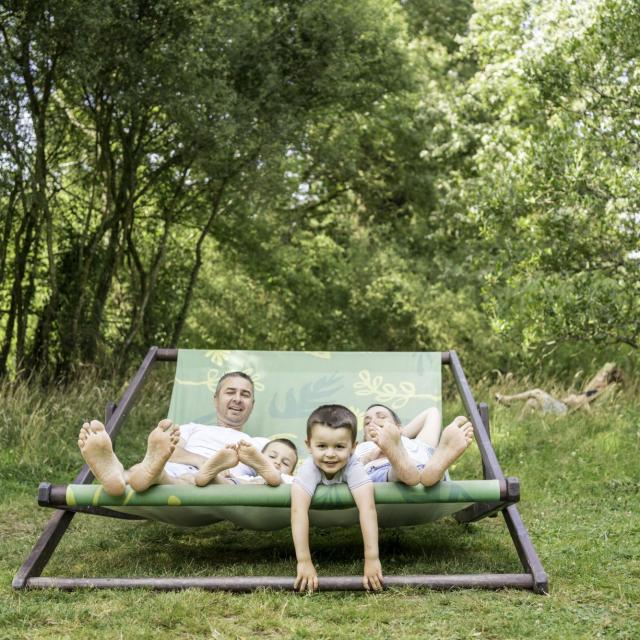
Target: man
<point>191,454</point>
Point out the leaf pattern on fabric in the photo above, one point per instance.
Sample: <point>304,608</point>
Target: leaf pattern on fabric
<point>258,384</point>
<point>217,356</point>
<point>299,403</point>
<point>213,375</point>
<point>387,393</point>
<point>210,382</point>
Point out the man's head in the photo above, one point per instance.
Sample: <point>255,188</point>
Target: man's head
<point>377,415</point>
<point>283,454</point>
<point>234,399</point>
<point>331,437</point>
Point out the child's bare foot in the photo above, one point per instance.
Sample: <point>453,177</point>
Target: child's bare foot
<point>253,458</point>
<point>220,461</point>
<point>160,445</point>
<point>388,437</point>
<point>453,443</point>
<point>97,450</point>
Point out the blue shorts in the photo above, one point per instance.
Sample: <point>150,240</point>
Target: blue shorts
<point>381,473</point>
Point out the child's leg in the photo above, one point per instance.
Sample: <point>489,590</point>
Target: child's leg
<point>255,459</point>
<point>160,445</point>
<point>216,464</point>
<point>453,443</point>
<point>403,469</point>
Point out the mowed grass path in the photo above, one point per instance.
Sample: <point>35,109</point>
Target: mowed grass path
<point>580,479</point>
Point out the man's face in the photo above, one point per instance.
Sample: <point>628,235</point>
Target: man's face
<point>234,402</point>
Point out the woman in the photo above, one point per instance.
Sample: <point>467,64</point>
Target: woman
<point>416,453</point>
<point>538,400</point>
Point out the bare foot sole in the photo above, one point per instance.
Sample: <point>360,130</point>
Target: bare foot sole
<point>97,450</point>
<point>250,456</point>
<point>216,464</point>
<point>453,443</point>
<point>387,437</point>
<point>160,445</point>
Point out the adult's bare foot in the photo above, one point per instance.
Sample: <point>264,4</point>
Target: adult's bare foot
<point>160,445</point>
<point>453,443</point>
<point>97,450</point>
<point>388,437</point>
<point>253,458</point>
<point>220,461</point>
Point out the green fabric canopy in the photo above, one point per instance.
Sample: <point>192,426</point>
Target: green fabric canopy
<point>289,385</point>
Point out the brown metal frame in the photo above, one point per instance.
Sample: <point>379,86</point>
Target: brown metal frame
<point>533,577</point>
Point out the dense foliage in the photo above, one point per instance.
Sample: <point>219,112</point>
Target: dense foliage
<point>312,175</point>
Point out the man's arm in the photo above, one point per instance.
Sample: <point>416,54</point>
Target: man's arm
<point>306,578</point>
<point>364,499</point>
<point>182,456</point>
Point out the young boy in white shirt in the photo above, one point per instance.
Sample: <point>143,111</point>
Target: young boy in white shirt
<point>331,440</point>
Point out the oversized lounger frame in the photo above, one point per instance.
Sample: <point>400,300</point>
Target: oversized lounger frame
<point>533,577</point>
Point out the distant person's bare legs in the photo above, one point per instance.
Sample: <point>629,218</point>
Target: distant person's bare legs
<point>537,396</point>
<point>453,443</point>
<point>535,400</point>
<point>97,450</point>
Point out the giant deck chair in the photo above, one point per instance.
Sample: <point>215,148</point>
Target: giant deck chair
<point>288,386</point>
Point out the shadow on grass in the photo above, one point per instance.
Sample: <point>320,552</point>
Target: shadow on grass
<point>101,547</point>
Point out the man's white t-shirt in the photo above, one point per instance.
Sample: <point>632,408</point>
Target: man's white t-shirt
<point>206,440</point>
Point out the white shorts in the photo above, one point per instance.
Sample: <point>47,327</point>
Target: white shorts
<point>176,469</point>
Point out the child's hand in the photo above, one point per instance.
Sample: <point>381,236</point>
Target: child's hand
<point>372,574</point>
<point>307,578</point>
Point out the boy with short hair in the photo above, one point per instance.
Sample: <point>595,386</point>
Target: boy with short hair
<point>273,465</point>
<point>331,440</point>
<point>279,453</point>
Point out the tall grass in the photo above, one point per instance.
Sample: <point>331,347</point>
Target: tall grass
<point>39,425</point>
<point>580,501</point>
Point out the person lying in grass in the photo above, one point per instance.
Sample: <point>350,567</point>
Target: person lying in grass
<point>331,440</point>
<point>605,381</point>
<point>416,453</point>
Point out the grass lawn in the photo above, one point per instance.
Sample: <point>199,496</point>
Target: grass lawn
<point>580,481</point>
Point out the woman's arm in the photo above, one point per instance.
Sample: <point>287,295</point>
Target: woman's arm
<point>364,499</point>
<point>413,428</point>
<point>307,577</point>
